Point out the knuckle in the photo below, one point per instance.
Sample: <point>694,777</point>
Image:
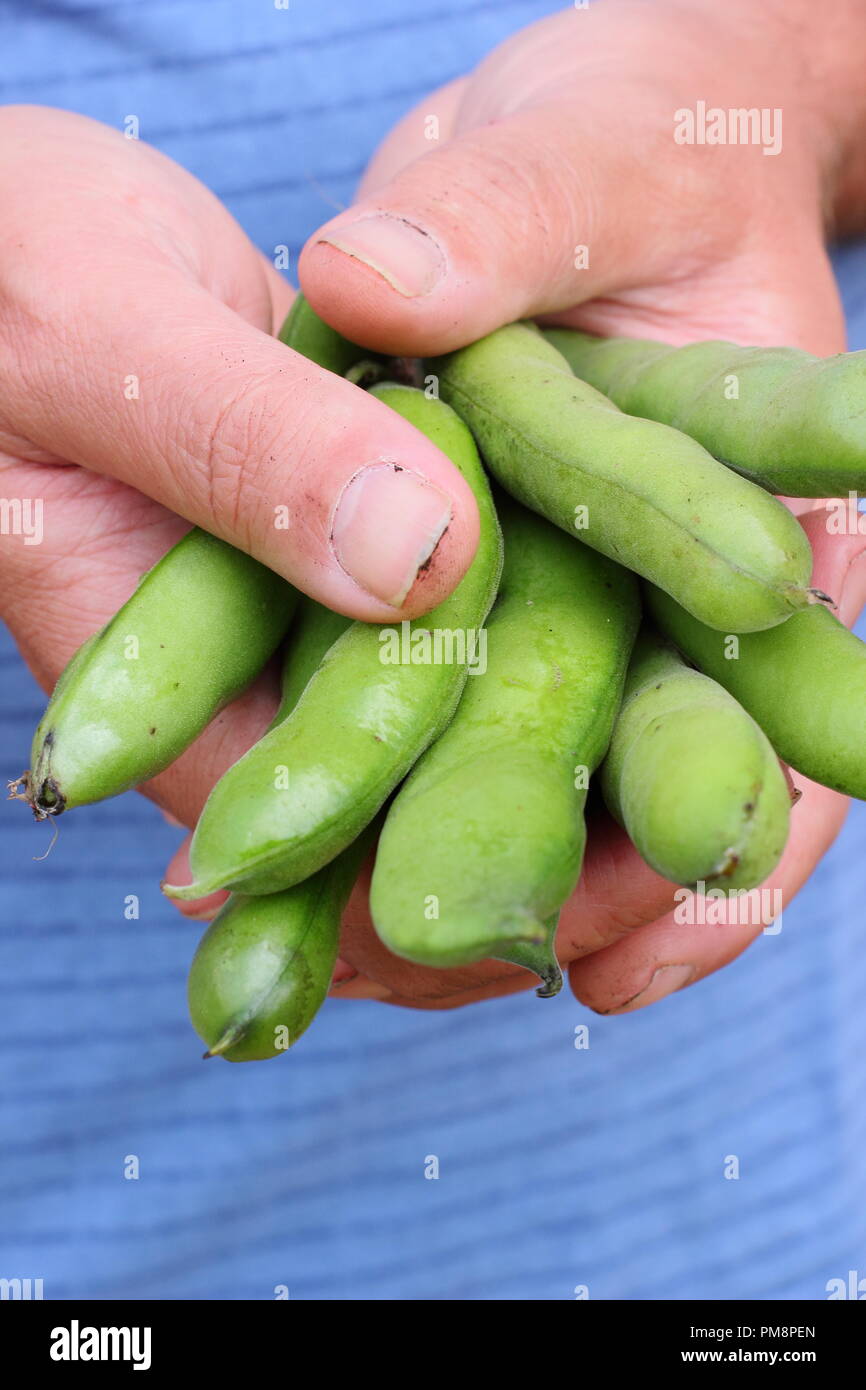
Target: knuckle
<point>230,435</point>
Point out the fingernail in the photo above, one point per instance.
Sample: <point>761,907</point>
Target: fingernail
<point>408,258</point>
<point>387,523</point>
<point>665,980</point>
<point>343,973</point>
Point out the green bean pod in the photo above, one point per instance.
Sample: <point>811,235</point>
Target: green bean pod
<point>787,420</point>
<point>197,630</point>
<point>641,493</point>
<point>264,965</point>
<point>308,788</point>
<point>314,631</point>
<point>804,683</point>
<point>306,333</point>
<point>484,842</point>
<point>691,777</point>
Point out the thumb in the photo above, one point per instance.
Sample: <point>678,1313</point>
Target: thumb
<point>175,394</point>
<point>490,228</point>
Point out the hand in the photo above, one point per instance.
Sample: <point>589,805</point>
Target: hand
<point>141,385</point>
<point>564,137</point>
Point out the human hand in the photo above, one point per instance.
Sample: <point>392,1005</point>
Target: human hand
<point>564,138</point>
<point>141,385</point>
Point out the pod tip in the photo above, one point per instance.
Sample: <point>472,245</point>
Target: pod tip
<point>551,982</point>
<point>818,596</point>
<point>535,951</point>
<point>222,1045</point>
<point>185,892</point>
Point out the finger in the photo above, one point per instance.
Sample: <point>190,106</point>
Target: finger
<point>233,431</point>
<point>617,893</point>
<point>281,293</point>
<point>484,230</point>
<point>203,909</point>
<point>839,557</point>
<point>154,364</point>
<point>384,976</point>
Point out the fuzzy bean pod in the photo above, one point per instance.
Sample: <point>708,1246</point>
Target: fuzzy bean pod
<point>692,778</point>
<point>804,683</point>
<point>314,631</point>
<point>484,842</point>
<point>308,788</point>
<point>197,630</point>
<point>787,420</point>
<point>641,493</point>
<point>264,965</point>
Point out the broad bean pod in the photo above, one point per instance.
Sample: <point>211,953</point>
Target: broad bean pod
<point>787,420</point>
<point>484,842</point>
<point>197,630</point>
<point>692,778</point>
<point>264,965</point>
<point>804,683</point>
<point>640,492</point>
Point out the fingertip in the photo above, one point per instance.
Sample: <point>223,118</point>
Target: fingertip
<point>404,254</point>
<point>178,872</point>
<point>404,525</point>
<point>380,296</point>
<point>387,526</point>
<point>839,554</point>
<point>407,298</point>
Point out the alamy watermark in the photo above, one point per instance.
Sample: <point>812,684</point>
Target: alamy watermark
<point>854,1287</point>
<point>23,1289</point>
<point>77,1343</point>
<point>738,907</point>
<point>411,645</point>
<point>846,517</point>
<point>739,125</point>
<point>22,516</point>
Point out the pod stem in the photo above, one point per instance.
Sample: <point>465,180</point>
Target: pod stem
<point>367,373</point>
<point>539,957</point>
<point>19,788</point>
<point>404,371</point>
<point>44,803</point>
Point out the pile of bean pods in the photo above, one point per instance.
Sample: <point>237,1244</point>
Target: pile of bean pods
<point>613,462</point>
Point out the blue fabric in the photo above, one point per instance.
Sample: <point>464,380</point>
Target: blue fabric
<point>559,1167</point>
